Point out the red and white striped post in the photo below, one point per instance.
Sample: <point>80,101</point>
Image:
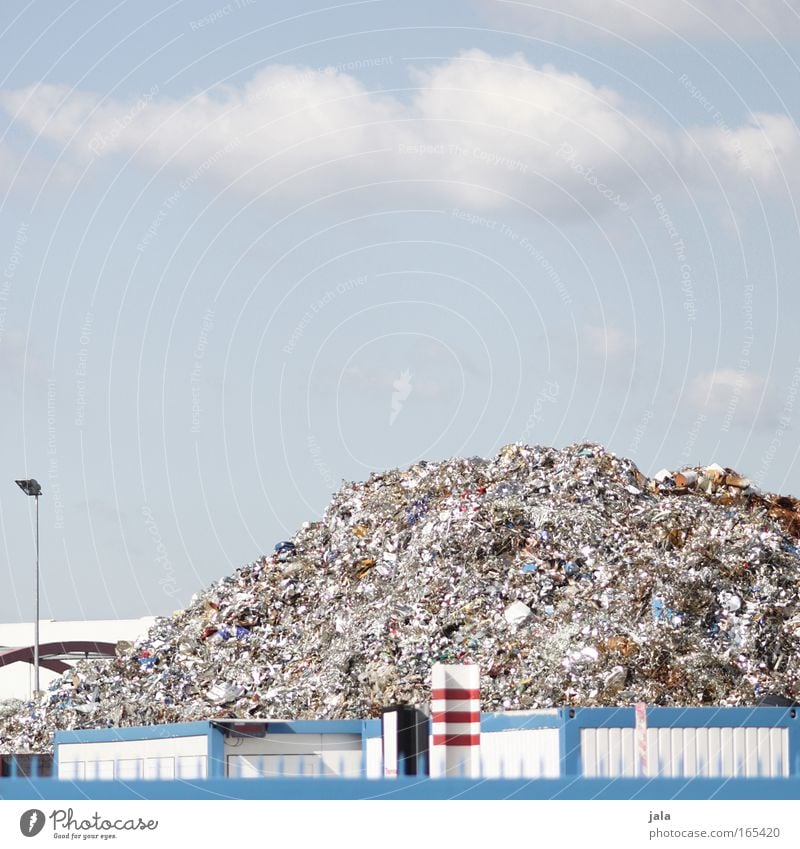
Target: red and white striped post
<point>641,739</point>
<point>456,720</point>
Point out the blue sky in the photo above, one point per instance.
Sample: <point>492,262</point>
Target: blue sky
<point>252,249</point>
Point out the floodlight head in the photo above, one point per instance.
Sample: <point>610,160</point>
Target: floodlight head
<point>30,487</point>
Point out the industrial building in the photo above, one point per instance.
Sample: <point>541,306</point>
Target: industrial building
<point>655,742</point>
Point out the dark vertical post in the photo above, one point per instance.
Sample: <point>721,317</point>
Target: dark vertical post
<point>36,627</point>
<point>410,729</point>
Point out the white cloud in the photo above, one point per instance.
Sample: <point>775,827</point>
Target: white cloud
<point>653,19</point>
<point>476,130</point>
<point>480,128</point>
<point>765,149</point>
<point>727,392</point>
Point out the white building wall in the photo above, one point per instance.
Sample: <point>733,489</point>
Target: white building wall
<point>17,679</point>
<point>374,757</point>
<point>293,754</point>
<point>687,752</point>
<point>520,753</point>
<point>171,757</point>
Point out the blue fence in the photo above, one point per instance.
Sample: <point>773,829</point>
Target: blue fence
<point>404,788</point>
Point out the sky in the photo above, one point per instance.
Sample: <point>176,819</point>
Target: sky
<point>252,249</point>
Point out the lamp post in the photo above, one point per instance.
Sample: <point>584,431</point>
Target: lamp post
<point>32,487</point>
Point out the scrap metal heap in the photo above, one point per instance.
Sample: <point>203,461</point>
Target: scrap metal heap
<point>568,576</point>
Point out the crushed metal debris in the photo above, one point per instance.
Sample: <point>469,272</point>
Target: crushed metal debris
<point>567,575</point>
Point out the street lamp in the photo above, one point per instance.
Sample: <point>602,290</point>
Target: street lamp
<point>32,487</point>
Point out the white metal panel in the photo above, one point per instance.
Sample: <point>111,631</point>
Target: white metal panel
<point>652,749</point>
<point>273,766</point>
<point>339,762</point>
<point>779,751</point>
<point>739,751</point>
<point>686,752</point>
<point>374,756</point>
<point>727,752</point>
<point>532,713</point>
<point>389,722</point>
<point>161,767</point>
<point>690,739</point>
<point>589,752</point>
<point>664,752</point>
<point>751,752</point>
<point>764,750</point>
<point>599,751</point>
<point>676,745</point>
<point>656,751</point>
<point>340,754</point>
<point>520,753</point>
<point>630,760</point>
<point>130,769</point>
<point>114,750</point>
<point>192,766</point>
<point>99,770</point>
<point>715,744</point>
<point>601,745</point>
<point>72,770</point>
<point>608,752</point>
<point>328,754</point>
<point>702,758</point>
<point>615,764</point>
<point>292,744</point>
